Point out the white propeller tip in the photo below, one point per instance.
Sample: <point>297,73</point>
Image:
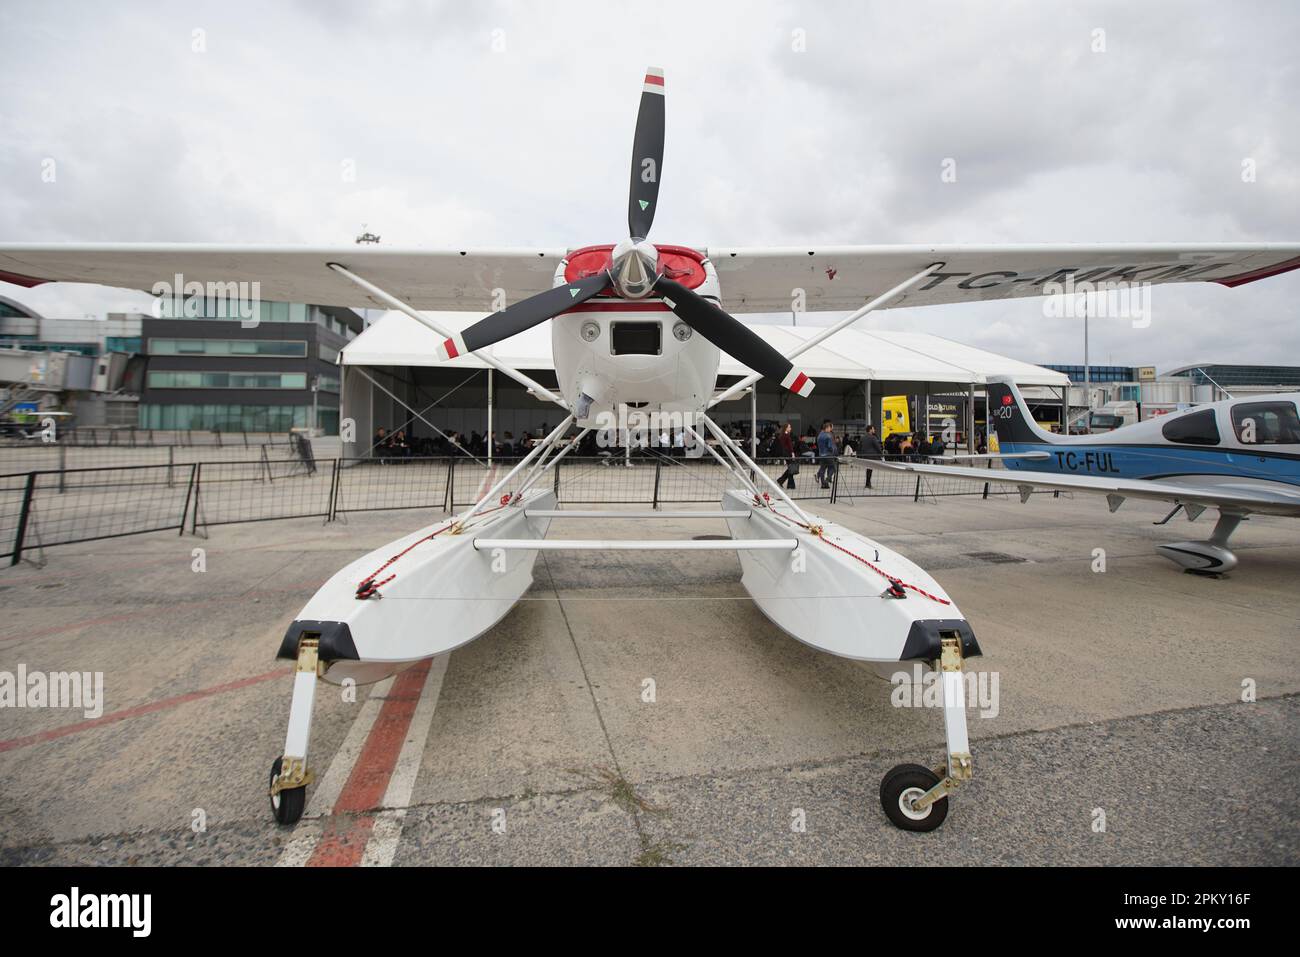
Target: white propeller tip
<point>798,383</point>
<point>451,348</point>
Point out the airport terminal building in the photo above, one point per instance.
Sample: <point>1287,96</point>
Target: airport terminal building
<point>212,372</point>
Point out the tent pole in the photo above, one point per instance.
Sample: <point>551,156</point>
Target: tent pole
<point>753,421</point>
<point>970,419</point>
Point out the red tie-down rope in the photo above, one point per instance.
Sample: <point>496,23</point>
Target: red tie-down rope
<point>369,588</point>
<point>896,585</point>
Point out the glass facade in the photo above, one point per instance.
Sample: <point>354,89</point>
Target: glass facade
<point>227,380</point>
<point>296,348</point>
<point>34,345</point>
<point>123,344</point>
<point>1097,373</point>
<point>1284,378</point>
<point>227,418</point>
<point>233,310</point>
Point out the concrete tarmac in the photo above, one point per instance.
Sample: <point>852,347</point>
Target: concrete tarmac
<point>1141,715</point>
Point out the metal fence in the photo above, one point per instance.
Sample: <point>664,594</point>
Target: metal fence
<point>37,456</point>
<point>129,437</point>
<point>46,507</point>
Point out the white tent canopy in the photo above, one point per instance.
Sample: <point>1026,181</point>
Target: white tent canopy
<point>857,354</point>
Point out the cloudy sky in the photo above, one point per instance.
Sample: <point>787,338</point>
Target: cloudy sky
<point>510,124</point>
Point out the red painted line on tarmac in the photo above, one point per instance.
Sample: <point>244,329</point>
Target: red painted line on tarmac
<point>291,588</point>
<point>114,717</point>
<point>86,623</point>
<point>345,841</point>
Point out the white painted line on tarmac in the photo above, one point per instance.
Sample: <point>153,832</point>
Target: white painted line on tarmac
<point>382,847</point>
<point>306,834</point>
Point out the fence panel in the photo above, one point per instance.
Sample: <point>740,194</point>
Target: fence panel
<point>606,480</point>
<point>369,485</point>
<point>230,492</point>
<point>12,493</point>
<point>85,505</point>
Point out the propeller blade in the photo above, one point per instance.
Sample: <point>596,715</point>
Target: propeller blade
<point>522,315</point>
<point>647,156</point>
<point>732,336</point>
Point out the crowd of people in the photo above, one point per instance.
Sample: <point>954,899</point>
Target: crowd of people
<point>824,448</point>
<point>399,444</point>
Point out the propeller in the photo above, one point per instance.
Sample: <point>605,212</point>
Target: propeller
<point>732,336</point>
<point>523,315</point>
<point>647,156</point>
<point>633,271</point>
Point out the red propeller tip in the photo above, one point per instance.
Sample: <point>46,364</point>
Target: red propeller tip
<point>450,349</point>
<point>798,383</point>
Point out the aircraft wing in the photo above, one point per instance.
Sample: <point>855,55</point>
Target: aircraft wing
<point>753,280</point>
<point>844,277</point>
<point>427,279</point>
<point>1234,497</point>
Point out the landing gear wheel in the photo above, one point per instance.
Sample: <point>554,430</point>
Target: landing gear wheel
<point>287,805</point>
<point>900,787</point>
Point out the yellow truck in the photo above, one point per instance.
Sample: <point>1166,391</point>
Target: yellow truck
<point>893,412</point>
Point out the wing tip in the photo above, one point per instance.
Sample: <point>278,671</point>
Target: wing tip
<point>1265,272</point>
<point>18,279</point>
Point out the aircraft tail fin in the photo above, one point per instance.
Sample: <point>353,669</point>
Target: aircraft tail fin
<point>1010,415</point>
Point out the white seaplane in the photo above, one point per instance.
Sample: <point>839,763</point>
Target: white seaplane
<point>640,325</point>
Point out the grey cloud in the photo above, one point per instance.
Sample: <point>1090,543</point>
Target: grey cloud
<point>454,143</point>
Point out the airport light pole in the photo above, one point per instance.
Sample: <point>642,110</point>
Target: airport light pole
<point>1087,372</point>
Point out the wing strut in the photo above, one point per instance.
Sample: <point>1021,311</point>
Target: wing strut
<point>536,388</point>
<point>829,331</point>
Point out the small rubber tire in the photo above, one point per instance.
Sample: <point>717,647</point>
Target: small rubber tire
<point>288,804</point>
<point>905,783</point>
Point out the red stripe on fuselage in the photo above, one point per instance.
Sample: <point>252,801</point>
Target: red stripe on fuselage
<point>620,306</point>
<point>654,80</point>
<point>450,346</point>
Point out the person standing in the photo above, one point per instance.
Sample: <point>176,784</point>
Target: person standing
<point>785,446</point>
<point>871,449</point>
<point>826,454</point>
